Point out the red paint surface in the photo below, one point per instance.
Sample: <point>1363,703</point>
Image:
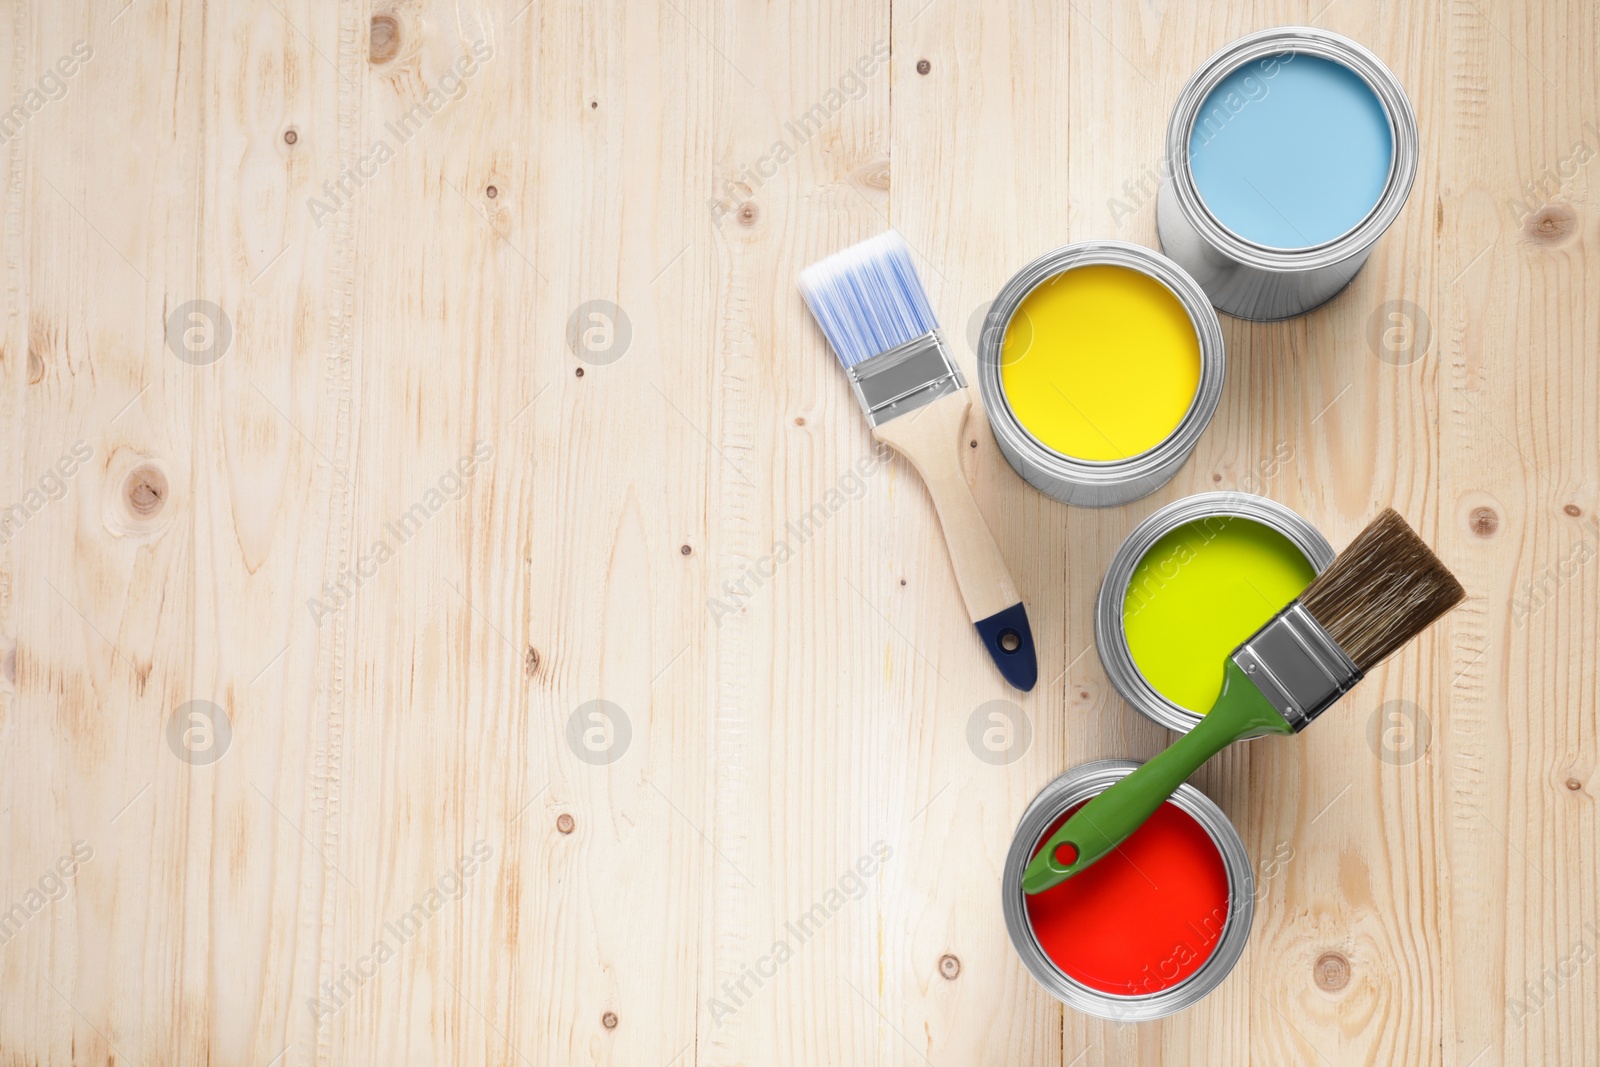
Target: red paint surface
<point>1144,918</point>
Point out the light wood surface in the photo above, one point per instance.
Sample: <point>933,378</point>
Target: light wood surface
<point>403,537</point>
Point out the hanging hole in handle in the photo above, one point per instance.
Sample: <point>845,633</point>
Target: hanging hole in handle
<point>1010,640</point>
<point>1065,855</point>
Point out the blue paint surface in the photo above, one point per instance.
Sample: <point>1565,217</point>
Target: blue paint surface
<point>1291,150</point>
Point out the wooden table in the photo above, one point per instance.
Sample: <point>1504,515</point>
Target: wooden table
<point>383,387</point>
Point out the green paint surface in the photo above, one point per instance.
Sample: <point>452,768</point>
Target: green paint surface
<point>1198,594</point>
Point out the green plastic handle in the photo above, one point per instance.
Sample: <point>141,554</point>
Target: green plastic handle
<point>1110,818</point>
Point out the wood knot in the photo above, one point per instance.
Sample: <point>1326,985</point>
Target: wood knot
<point>145,490</point>
<point>799,420</point>
<point>1551,223</point>
<point>685,550</point>
<point>139,505</point>
<point>1331,972</point>
<point>383,39</point>
<point>1483,521</point>
<point>874,175</point>
<point>491,192</point>
<point>1573,510</point>
<point>291,135</point>
<point>1574,785</point>
<point>565,823</point>
<point>747,214</point>
<point>923,66</point>
<point>35,366</point>
<point>609,1020</point>
<point>949,967</point>
<point>530,662</point>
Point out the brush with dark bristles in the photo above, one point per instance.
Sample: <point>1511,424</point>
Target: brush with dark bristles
<point>870,304</point>
<point>1384,589</point>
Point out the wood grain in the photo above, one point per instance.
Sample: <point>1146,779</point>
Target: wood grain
<point>488,634</point>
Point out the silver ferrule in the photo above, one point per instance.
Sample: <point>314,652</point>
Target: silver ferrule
<point>1297,665</point>
<point>905,378</point>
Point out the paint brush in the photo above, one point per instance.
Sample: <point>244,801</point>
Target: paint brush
<point>871,305</point>
<point>1380,592</point>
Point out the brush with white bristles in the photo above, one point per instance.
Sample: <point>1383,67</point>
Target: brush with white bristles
<point>870,304</point>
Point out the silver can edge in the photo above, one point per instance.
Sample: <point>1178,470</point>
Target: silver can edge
<point>1089,483</point>
<point>1252,281</point>
<point>1111,640</point>
<point>1079,784</point>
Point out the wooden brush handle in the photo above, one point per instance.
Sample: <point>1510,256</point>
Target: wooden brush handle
<point>930,437</point>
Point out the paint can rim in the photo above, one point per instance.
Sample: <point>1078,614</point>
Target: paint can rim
<point>1020,444</point>
<point>1111,639</point>
<point>1078,785</point>
<point>1322,44</point>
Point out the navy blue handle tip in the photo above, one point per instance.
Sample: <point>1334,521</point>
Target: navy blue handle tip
<point>1009,639</point>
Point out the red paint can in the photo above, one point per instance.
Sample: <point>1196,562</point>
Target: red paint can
<point>1150,929</point>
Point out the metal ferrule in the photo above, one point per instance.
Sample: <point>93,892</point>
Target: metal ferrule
<point>1297,665</point>
<point>905,378</point>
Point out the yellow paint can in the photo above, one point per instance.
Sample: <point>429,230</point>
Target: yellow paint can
<point>1100,365</point>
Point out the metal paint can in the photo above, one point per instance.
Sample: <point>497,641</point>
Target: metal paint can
<point>1225,943</point>
<point>1220,508</point>
<point>1099,483</point>
<point>1252,280</point>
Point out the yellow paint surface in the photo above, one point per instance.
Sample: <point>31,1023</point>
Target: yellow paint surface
<point>1100,362</point>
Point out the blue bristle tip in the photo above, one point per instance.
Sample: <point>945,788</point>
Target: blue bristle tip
<point>868,298</point>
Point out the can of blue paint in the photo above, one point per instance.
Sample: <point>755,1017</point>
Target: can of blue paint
<point>1290,152</point>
